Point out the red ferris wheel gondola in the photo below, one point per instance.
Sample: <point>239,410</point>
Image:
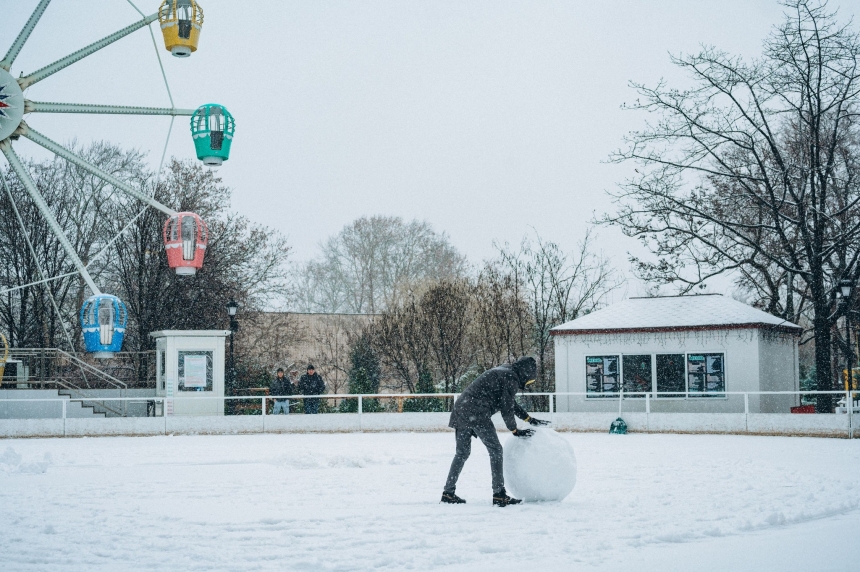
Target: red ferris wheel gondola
<point>185,238</point>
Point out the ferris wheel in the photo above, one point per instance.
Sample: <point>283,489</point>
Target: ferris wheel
<point>103,317</point>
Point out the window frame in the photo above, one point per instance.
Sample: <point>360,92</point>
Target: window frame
<point>619,355</point>
<point>651,363</point>
<point>706,395</point>
<point>604,394</point>
<point>210,370</point>
<point>680,396</point>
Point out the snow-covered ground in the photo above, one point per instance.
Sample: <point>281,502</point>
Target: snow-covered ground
<point>370,502</point>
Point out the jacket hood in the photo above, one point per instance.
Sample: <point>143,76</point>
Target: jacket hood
<point>525,369</point>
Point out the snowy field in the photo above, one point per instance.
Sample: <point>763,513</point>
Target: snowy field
<point>370,502</point>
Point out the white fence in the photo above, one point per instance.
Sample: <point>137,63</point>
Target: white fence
<point>840,424</point>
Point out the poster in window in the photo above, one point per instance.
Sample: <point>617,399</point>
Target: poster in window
<point>601,375</point>
<point>705,375</point>
<point>195,371</point>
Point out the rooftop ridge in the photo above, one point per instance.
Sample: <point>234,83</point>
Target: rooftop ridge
<point>677,296</point>
<point>666,313</point>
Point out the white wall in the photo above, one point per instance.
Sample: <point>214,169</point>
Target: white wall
<point>778,371</point>
<point>744,352</point>
<point>32,409</point>
<point>831,425</point>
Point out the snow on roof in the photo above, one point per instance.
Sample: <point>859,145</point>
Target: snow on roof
<point>672,313</point>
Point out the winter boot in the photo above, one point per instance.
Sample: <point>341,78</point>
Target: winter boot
<point>451,498</point>
<point>501,498</point>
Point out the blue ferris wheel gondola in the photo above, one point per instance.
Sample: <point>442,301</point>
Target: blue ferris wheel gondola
<point>103,321</point>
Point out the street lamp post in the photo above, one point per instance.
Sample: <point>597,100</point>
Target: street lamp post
<point>232,306</point>
<point>846,287</point>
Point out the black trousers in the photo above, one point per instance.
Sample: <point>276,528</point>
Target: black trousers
<point>486,432</point>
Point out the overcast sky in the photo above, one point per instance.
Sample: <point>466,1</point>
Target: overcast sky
<point>485,118</point>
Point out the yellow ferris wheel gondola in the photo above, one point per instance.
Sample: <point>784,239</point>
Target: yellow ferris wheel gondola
<point>4,357</point>
<point>181,21</point>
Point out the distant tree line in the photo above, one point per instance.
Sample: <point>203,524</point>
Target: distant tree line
<point>438,327</point>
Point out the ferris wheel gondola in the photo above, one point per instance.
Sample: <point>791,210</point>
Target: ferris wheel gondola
<point>103,320</point>
<point>212,129</point>
<point>181,22</point>
<point>185,238</point>
<point>103,317</point>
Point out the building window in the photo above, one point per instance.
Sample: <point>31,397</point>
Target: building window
<point>705,375</point>
<point>601,375</point>
<point>636,372</point>
<point>670,376</point>
<point>195,371</point>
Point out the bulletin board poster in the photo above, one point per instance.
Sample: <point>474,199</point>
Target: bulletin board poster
<point>195,371</point>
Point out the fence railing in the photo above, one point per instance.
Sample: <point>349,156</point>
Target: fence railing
<point>42,366</point>
<point>69,374</point>
<point>364,404</point>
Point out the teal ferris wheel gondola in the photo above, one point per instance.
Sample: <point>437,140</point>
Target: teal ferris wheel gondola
<point>212,128</point>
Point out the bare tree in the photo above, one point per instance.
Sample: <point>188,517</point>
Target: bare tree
<point>558,287</point>
<point>503,323</point>
<point>333,341</point>
<point>243,261</point>
<point>754,169</point>
<point>373,262</point>
<point>401,337</point>
<point>267,338</point>
<point>83,205</point>
<point>446,307</point>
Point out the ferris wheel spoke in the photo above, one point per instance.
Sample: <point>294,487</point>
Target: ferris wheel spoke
<point>19,42</point>
<point>58,149</point>
<point>37,282</point>
<point>37,263</point>
<point>30,186</point>
<point>51,107</point>
<point>58,65</point>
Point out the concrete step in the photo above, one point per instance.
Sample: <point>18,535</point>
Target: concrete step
<point>32,409</point>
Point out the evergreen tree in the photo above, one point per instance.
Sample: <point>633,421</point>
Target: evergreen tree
<point>425,385</point>
<point>363,376</point>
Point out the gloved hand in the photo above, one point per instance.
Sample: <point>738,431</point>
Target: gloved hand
<point>524,432</point>
<point>537,422</point>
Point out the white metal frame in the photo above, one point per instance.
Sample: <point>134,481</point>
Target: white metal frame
<point>28,132</point>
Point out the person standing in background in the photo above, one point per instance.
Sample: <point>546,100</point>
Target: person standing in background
<point>312,383</point>
<point>280,387</point>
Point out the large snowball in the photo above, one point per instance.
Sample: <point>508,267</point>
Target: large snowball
<point>541,467</point>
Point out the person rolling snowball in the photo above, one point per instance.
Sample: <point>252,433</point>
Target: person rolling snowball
<point>493,391</point>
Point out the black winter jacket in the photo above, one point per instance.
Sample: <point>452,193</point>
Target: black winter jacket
<point>281,386</point>
<point>494,390</point>
<point>311,384</point>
